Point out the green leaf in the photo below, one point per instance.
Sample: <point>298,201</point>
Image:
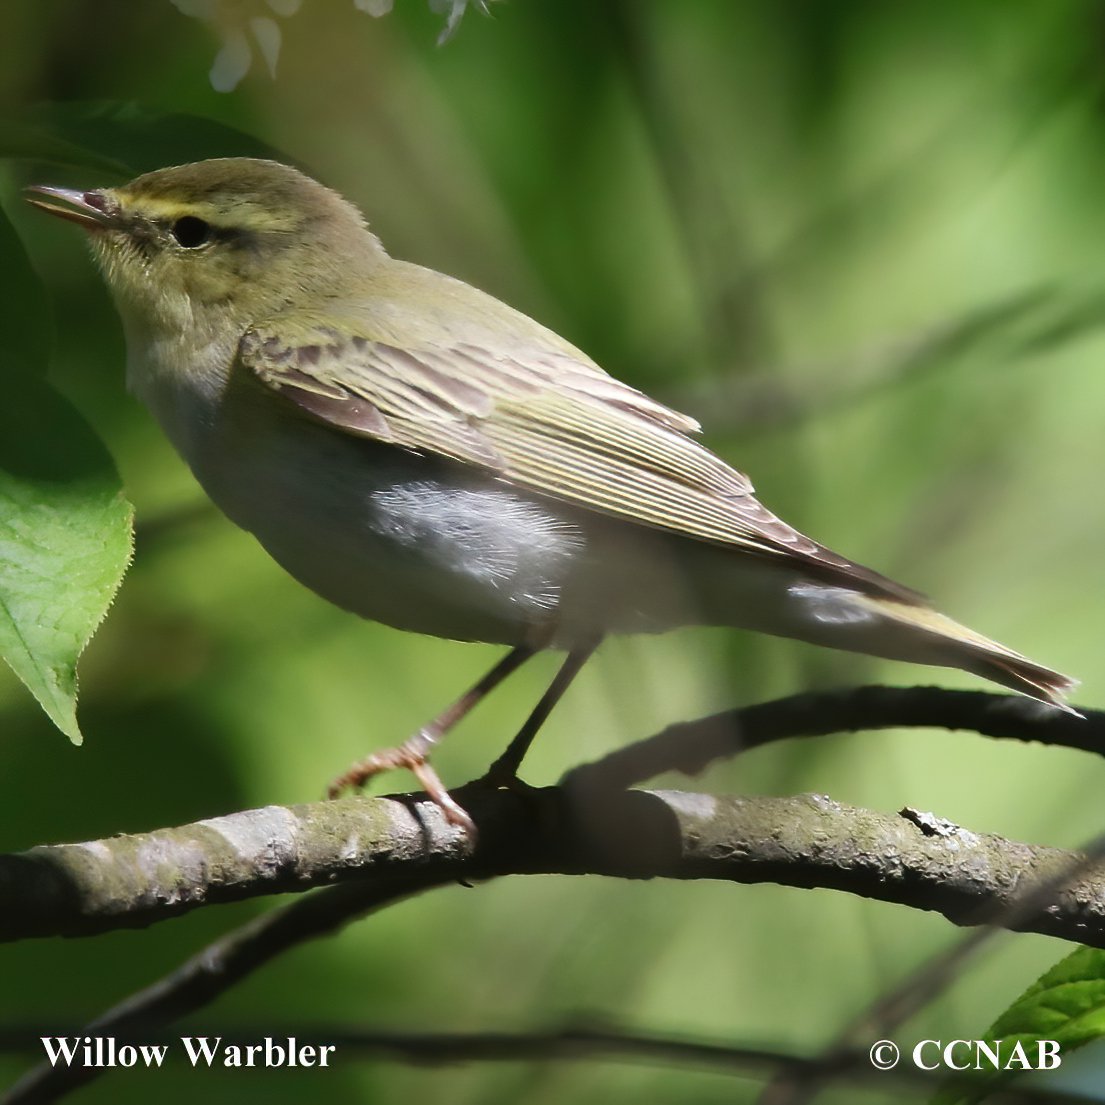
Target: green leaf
<point>65,528</point>
<point>26,141</point>
<point>65,542</point>
<point>23,311</point>
<point>1066,1004</point>
<point>122,139</point>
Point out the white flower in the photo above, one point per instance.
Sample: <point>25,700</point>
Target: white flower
<point>236,25</point>
<point>232,20</point>
<point>455,10</point>
<point>232,62</point>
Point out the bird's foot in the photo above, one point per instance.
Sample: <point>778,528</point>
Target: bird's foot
<point>414,756</point>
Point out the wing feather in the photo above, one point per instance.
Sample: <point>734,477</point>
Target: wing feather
<point>549,421</point>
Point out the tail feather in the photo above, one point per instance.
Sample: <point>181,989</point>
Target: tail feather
<point>1023,675</point>
<point>945,642</point>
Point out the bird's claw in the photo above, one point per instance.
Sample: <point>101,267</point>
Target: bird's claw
<point>412,755</point>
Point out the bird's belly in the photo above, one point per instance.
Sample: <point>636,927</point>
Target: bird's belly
<point>413,542</point>
<point>429,545</point>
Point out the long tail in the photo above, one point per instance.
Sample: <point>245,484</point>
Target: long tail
<point>944,641</point>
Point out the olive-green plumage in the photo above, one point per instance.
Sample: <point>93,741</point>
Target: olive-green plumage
<point>419,452</point>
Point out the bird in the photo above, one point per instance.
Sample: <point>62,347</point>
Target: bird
<point>423,455</point>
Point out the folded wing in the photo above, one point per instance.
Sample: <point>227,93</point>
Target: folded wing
<point>546,419</point>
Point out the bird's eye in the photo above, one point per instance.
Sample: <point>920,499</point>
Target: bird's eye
<point>191,232</point>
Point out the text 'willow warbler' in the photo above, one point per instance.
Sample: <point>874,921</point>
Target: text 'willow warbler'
<point>423,455</point>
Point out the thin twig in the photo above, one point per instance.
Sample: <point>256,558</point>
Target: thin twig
<point>211,972</point>
<point>690,746</point>
<point>890,1010</point>
<point>572,1041</point>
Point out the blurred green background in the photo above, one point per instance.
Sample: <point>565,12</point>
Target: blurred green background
<point>861,241</point>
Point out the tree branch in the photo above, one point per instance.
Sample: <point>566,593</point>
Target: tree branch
<point>583,826</point>
<point>806,841</point>
<point>589,824</point>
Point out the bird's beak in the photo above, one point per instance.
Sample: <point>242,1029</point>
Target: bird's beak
<point>91,210</point>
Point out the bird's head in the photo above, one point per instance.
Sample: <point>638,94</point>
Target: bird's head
<point>231,240</point>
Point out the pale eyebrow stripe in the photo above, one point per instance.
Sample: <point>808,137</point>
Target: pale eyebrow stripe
<point>251,216</point>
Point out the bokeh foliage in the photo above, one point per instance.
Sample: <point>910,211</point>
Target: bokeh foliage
<point>859,240</point>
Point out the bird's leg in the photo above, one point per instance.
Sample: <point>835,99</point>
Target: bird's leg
<point>415,752</point>
<point>505,769</point>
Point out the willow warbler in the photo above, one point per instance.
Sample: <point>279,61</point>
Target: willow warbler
<point>423,455</point>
